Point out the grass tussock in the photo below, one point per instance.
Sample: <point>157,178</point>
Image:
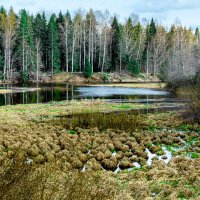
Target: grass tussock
<point>55,150</point>
<point>20,180</point>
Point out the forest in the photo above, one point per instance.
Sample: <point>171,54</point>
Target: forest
<point>35,45</point>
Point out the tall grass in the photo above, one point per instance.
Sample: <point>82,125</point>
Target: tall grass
<point>114,120</point>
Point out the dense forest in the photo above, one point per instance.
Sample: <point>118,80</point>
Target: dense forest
<point>34,45</point>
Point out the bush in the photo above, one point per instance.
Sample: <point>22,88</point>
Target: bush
<point>193,113</point>
<point>133,67</point>
<point>105,77</point>
<point>88,69</point>
<point>25,76</point>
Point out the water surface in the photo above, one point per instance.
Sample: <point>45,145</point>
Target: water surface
<point>45,93</point>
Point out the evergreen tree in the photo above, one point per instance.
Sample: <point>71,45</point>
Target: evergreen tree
<point>115,44</point>
<point>2,11</point>
<point>60,22</point>
<point>1,61</point>
<point>133,67</point>
<point>53,46</point>
<point>40,33</point>
<point>150,34</point>
<point>88,68</point>
<point>44,40</point>
<point>197,33</point>
<point>152,30</point>
<point>26,47</point>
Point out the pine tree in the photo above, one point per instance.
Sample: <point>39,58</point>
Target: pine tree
<point>88,68</point>
<point>53,46</point>
<point>115,44</point>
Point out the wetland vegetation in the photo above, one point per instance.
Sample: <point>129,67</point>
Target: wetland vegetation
<point>93,108</point>
<point>90,149</point>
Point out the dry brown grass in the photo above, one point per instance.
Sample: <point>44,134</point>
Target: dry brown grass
<point>136,85</point>
<point>5,91</point>
<point>60,147</point>
<point>21,181</point>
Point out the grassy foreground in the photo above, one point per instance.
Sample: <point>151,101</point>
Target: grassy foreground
<point>46,154</point>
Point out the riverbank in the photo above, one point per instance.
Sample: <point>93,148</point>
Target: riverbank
<point>5,91</point>
<point>101,78</point>
<point>73,149</point>
<point>78,78</point>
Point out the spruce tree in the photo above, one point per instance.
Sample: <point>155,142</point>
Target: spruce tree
<point>1,61</point>
<point>115,44</point>
<point>197,33</point>
<point>40,32</point>
<point>133,67</point>
<point>88,68</point>
<point>53,46</point>
<point>26,47</point>
<point>60,22</point>
<point>150,34</point>
<point>44,40</point>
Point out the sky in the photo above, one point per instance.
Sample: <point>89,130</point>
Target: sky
<point>165,12</point>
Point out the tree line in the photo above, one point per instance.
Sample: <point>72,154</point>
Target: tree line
<point>94,41</point>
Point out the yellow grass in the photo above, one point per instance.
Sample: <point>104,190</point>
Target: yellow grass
<point>5,91</point>
<point>136,85</point>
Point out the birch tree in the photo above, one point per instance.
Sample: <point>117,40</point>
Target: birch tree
<point>9,27</point>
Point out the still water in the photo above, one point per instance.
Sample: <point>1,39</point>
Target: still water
<point>57,92</point>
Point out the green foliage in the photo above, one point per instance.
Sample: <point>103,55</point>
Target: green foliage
<point>25,76</point>
<point>115,43</point>
<point>53,45</point>
<point>105,77</point>
<point>1,62</point>
<point>72,132</point>
<point>40,32</point>
<point>88,69</point>
<point>26,47</point>
<point>194,155</point>
<point>133,67</point>
<point>151,31</point>
<point>163,73</point>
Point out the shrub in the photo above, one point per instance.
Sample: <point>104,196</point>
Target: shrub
<point>88,69</point>
<point>105,77</point>
<point>133,67</point>
<point>25,76</point>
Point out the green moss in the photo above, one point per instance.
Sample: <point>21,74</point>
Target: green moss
<point>194,155</point>
<point>172,183</point>
<point>72,132</point>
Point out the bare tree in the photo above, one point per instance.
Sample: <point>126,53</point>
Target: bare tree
<point>38,58</point>
<point>9,26</point>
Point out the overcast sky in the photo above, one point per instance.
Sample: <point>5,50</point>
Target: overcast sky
<point>165,11</point>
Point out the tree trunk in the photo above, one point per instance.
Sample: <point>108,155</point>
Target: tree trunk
<point>73,44</point>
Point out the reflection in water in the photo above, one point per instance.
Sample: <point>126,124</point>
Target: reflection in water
<point>58,92</point>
